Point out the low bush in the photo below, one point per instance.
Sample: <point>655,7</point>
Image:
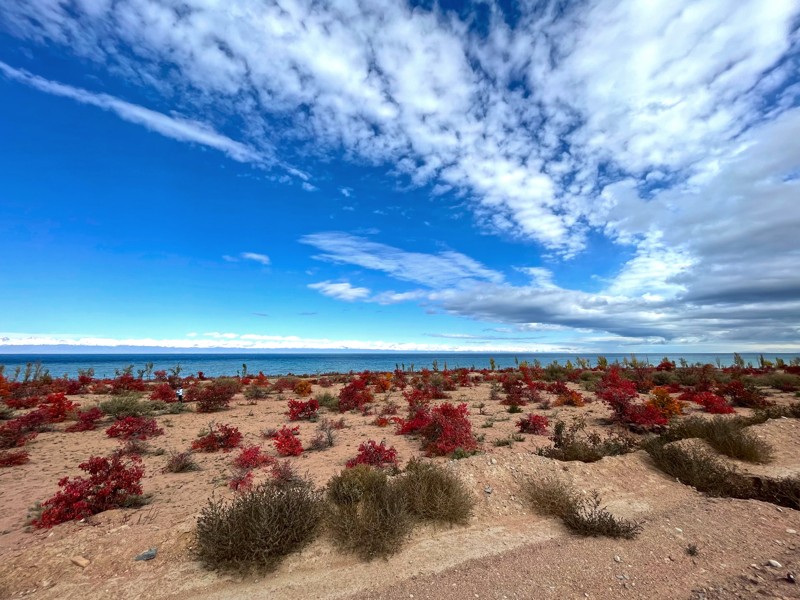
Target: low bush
<point>355,395</point>
<point>433,493</point>
<point>252,457</point>
<point>87,420</point>
<point>533,424</point>
<point>366,513</point>
<point>217,437</point>
<point>305,411</point>
<point>302,388</point>
<point>112,483</point>
<point>583,515</point>
<point>374,455</point>
<point>448,430</point>
<point>258,527</point>
<point>283,472</point>
<point>138,428</point>
<point>241,481</point>
<point>213,396</point>
<point>181,462</point>
<point>13,458</point>
<point>327,400</point>
<point>726,435</point>
<point>126,405</point>
<point>256,392</point>
<point>15,434</point>
<point>287,443</point>
<point>574,443</point>
<point>163,392</point>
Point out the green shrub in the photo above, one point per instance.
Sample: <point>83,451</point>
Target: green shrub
<point>727,436</point>
<point>367,513</point>
<point>327,400</point>
<point>258,527</point>
<point>126,405</point>
<point>582,515</point>
<point>433,493</point>
<point>573,443</point>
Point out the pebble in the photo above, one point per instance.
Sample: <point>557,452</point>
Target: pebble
<point>790,531</point>
<point>774,563</point>
<point>80,561</point>
<point>488,489</point>
<point>617,559</point>
<point>147,554</point>
<point>493,461</point>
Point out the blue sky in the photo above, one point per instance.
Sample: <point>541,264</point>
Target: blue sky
<point>581,176</point>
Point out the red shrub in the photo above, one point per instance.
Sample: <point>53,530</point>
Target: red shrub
<point>218,437</point>
<point>163,392</point>
<point>212,396</point>
<point>87,420</point>
<point>746,395</point>
<point>661,400</point>
<point>284,384</point>
<point>127,383</point>
<point>134,428</point>
<point>302,388</point>
<point>241,481</point>
<point>22,403</point>
<point>110,485</point>
<point>448,431</point>
<point>570,398</point>
<point>252,457</point>
<point>13,458</point>
<point>283,472</point>
<point>355,395</point>
<point>419,418</point>
<point>711,403</point>
<point>286,442</point>
<point>56,407</point>
<point>299,410</point>
<point>375,455</point>
<point>535,424</point>
<point>14,434</point>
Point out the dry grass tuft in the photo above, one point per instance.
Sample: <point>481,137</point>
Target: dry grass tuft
<point>433,493</point>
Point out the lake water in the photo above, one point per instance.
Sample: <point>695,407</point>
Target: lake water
<point>105,365</point>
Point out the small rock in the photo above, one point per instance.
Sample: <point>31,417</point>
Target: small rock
<point>679,530</point>
<point>493,461</point>
<point>488,489</point>
<point>617,559</point>
<point>790,578</point>
<point>80,561</point>
<point>774,563</point>
<point>790,531</point>
<point>147,554</point>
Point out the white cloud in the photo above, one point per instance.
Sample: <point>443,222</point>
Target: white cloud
<point>341,290</point>
<point>256,257</point>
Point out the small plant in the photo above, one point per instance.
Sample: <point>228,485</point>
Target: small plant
<point>163,392</point>
<point>87,420</point>
<point>213,396</point>
<point>284,473</point>
<point>327,400</point>
<point>134,428</point>
<point>375,455</point>
<point>286,442</point>
<point>256,391</point>
<point>573,443</point>
<point>355,395</point>
<point>367,513</point>
<point>258,527</point>
<point>13,458</point>
<point>433,493</point>
<point>583,515</point>
<point>692,550</point>
<point>112,483</point>
<point>533,424</point>
<point>299,410</point>
<point>727,436</point>
<point>126,405</point>
<point>181,462</point>
<point>448,429</point>
<point>302,388</point>
<point>241,481</point>
<point>252,457</point>
<point>218,437</point>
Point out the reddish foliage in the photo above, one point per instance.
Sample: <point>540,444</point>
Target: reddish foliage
<point>448,430</point>
<point>570,398</point>
<point>212,396</point>
<point>535,424</point>
<point>134,428</point>
<point>619,393</point>
<point>661,400</point>
<point>740,394</point>
<point>127,383</point>
<point>302,388</point>
<point>22,403</point>
<point>87,420</point>
<point>163,392</point>
<point>399,379</point>
<point>241,481</point>
<point>110,484</point>
<point>56,407</point>
<point>375,455</point>
<point>419,417</point>
<point>286,442</point>
<point>15,434</point>
<point>12,458</point>
<point>299,410</point>
<point>355,395</point>
<point>284,472</point>
<point>711,403</point>
<point>219,437</point>
<point>252,457</point>
<point>284,384</point>
<point>558,388</point>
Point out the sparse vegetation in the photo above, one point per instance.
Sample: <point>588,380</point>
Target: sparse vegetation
<point>727,436</point>
<point>433,493</point>
<point>574,443</point>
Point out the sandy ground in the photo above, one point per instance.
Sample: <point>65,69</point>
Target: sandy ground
<point>506,551</point>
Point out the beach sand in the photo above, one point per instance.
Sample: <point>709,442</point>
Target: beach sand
<point>506,551</point>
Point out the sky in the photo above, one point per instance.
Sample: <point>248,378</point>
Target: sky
<point>587,176</point>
